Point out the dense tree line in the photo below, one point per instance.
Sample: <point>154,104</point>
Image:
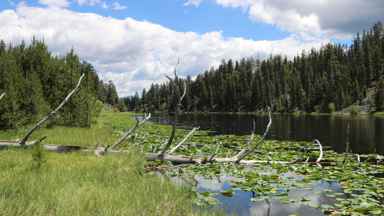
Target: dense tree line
<point>324,80</point>
<point>35,81</point>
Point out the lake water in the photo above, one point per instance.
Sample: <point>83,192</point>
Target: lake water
<point>363,134</point>
<point>241,202</point>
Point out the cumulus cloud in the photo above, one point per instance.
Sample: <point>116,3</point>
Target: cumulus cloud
<point>195,3</point>
<point>55,3</point>
<point>313,18</point>
<point>113,6</point>
<point>88,2</point>
<point>118,6</point>
<point>134,53</point>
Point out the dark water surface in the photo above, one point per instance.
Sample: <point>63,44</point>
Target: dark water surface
<point>365,134</point>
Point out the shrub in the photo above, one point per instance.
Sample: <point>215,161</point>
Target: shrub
<point>354,110</point>
<point>331,107</point>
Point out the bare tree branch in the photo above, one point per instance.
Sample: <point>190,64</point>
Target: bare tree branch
<point>52,113</point>
<point>177,110</point>
<point>182,141</point>
<point>38,141</point>
<point>170,139</point>
<point>2,95</point>
<point>218,145</point>
<point>320,149</point>
<point>243,153</point>
<point>129,132</point>
<point>248,147</point>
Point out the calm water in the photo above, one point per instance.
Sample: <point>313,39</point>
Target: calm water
<point>365,134</point>
<point>240,203</point>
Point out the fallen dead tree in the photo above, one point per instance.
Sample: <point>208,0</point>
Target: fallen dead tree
<point>24,140</point>
<point>166,153</point>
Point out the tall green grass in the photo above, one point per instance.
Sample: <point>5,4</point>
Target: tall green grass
<point>74,184</point>
<point>107,129</point>
<point>80,184</point>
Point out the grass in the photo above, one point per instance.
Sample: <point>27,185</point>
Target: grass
<point>75,184</point>
<point>78,184</point>
<point>379,114</point>
<point>107,129</point>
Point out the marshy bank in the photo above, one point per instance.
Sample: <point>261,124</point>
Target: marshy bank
<point>341,184</point>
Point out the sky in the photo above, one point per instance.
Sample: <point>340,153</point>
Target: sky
<point>137,42</point>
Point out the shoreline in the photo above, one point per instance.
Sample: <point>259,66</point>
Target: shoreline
<point>299,113</point>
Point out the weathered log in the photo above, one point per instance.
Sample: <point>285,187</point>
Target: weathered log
<point>302,149</point>
<point>175,159</point>
<point>47,147</point>
<point>23,141</point>
<point>183,140</point>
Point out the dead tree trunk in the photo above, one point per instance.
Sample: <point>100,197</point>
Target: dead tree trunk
<point>177,110</point>
<point>23,141</point>
<point>162,155</point>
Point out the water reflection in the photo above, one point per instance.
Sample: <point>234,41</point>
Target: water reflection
<point>241,202</point>
<point>365,134</point>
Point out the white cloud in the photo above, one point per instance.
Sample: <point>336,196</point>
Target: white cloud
<point>195,3</point>
<point>134,53</point>
<point>118,6</point>
<point>55,3</point>
<point>313,18</point>
<point>88,2</point>
<point>113,6</point>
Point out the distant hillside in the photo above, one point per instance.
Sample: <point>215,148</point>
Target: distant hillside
<point>36,82</point>
<point>324,80</point>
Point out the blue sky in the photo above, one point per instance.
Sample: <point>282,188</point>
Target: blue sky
<point>136,42</point>
<point>233,22</point>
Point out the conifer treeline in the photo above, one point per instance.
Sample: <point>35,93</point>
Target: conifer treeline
<point>35,81</point>
<point>330,78</point>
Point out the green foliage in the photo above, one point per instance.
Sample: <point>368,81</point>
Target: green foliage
<point>331,107</point>
<point>38,158</point>
<point>354,110</point>
<point>379,97</point>
<point>36,82</point>
<point>96,110</point>
<point>335,73</point>
<point>118,185</point>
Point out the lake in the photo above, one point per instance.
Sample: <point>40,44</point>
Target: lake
<point>363,134</point>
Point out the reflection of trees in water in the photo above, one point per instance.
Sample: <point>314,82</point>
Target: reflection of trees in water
<point>364,134</point>
<point>379,134</point>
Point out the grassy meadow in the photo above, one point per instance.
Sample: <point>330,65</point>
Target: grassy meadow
<point>79,184</point>
<point>83,184</point>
